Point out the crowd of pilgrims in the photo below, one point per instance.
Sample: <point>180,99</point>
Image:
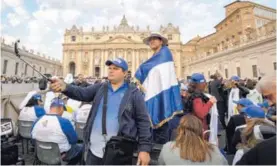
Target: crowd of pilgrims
<point>246,113</point>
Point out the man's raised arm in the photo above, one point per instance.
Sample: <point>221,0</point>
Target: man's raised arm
<point>77,93</point>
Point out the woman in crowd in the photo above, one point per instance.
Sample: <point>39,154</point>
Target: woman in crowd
<point>254,115</point>
<point>197,102</point>
<point>190,148</point>
<point>31,107</point>
<point>251,135</point>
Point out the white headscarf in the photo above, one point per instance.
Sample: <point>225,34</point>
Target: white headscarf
<point>233,96</point>
<point>69,78</point>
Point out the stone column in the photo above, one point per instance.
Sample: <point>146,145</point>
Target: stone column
<point>78,64</point>
<point>133,62</point>
<point>91,62</point>
<point>102,63</point>
<point>114,53</point>
<point>137,58</point>
<point>105,59</point>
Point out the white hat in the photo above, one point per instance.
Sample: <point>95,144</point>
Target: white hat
<point>155,34</point>
<point>26,99</point>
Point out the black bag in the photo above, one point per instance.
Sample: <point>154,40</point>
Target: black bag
<point>9,154</point>
<point>119,149</point>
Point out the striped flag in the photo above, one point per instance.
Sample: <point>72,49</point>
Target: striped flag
<point>162,93</point>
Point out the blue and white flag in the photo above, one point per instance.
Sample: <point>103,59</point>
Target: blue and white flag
<point>162,92</point>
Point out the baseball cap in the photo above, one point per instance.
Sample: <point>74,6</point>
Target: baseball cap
<point>235,78</point>
<point>57,102</point>
<point>119,62</point>
<point>37,97</point>
<point>253,112</point>
<point>244,102</point>
<point>197,78</point>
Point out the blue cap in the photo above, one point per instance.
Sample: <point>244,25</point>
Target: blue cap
<point>244,102</point>
<point>57,102</point>
<point>264,104</point>
<point>253,112</point>
<point>119,62</point>
<point>197,78</point>
<point>235,78</point>
<point>37,97</point>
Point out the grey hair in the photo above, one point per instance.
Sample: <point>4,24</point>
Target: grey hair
<point>266,83</point>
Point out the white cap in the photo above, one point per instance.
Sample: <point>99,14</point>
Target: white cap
<point>26,99</point>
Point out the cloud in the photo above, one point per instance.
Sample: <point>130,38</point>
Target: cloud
<point>20,15</point>
<point>45,25</point>
<point>12,3</point>
<point>47,15</point>
<point>13,19</point>
<point>70,15</point>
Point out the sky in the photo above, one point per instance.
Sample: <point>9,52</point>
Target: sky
<point>40,24</point>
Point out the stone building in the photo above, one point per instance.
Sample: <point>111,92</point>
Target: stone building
<point>87,52</point>
<point>244,43</point>
<point>12,66</point>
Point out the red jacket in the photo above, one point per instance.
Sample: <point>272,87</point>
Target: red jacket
<point>201,109</point>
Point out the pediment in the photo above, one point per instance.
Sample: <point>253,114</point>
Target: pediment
<point>120,39</point>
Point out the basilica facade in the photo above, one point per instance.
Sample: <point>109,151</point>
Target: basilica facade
<point>87,52</point>
<point>244,44</point>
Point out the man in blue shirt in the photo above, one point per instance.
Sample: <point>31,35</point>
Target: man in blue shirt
<point>126,112</point>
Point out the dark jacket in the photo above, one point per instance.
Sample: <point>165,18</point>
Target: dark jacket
<point>262,154</point>
<point>133,116</point>
<point>216,89</point>
<point>235,121</point>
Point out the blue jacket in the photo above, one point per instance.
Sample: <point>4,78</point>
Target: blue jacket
<point>133,117</point>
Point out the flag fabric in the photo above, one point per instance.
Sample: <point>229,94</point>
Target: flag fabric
<point>213,123</point>
<point>162,92</point>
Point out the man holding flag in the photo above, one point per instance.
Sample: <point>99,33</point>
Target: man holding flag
<point>159,83</point>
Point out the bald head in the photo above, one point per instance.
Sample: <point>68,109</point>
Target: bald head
<point>267,87</point>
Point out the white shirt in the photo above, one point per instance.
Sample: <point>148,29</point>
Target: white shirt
<point>53,128</point>
<point>31,113</point>
<point>48,98</point>
<point>238,156</point>
<point>81,115</point>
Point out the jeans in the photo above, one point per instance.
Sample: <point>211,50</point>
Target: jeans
<point>161,134</point>
<point>93,160</point>
<point>74,155</point>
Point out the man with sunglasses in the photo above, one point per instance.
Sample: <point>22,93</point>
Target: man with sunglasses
<point>267,87</point>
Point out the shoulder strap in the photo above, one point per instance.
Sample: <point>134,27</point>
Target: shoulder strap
<point>104,111</point>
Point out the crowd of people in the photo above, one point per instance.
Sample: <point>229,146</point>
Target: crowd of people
<point>18,79</point>
<point>118,123</point>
